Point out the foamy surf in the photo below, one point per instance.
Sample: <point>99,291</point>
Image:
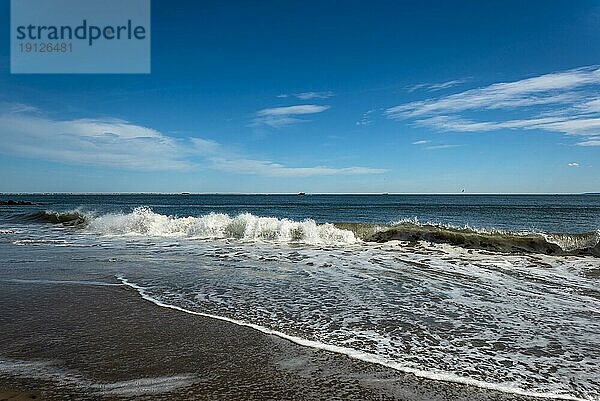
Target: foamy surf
<point>143,221</point>
<point>49,370</point>
<point>503,308</point>
<point>361,355</point>
<point>245,226</point>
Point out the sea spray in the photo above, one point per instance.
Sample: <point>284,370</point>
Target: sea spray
<point>245,226</point>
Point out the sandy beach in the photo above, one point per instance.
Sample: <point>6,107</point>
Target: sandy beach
<point>77,341</point>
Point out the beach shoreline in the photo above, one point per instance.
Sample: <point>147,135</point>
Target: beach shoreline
<point>106,342</point>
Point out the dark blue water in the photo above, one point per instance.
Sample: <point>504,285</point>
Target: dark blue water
<point>544,213</point>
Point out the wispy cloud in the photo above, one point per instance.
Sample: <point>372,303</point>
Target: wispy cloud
<point>205,146</point>
<point>568,124</point>
<point>100,142</point>
<point>567,102</point>
<point>309,95</point>
<point>366,118</point>
<point>432,87</point>
<point>281,116</point>
<point>292,110</point>
<point>118,144</point>
<point>444,146</point>
<point>423,142</point>
<point>267,168</point>
<point>544,89</point>
<point>592,141</point>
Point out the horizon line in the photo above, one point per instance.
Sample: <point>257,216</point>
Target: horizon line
<point>183,193</point>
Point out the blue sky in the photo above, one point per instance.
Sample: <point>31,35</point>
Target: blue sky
<point>422,97</point>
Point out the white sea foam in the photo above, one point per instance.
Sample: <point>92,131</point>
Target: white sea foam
<point>54,371</point>
<point>360,355</point>
<point>245,226</point>
<point>41,241</point>
<point>516,323</point>
<point>145,386</point>
<point>480,230</point>
<point>570,242</point>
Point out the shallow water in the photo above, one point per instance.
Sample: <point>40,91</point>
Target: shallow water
<point>523,323</point>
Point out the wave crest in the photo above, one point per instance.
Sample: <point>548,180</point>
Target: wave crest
<point>491,240</point>
<point>245,226</point>
<point>74,218</point>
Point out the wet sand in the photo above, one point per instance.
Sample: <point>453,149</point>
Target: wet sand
<point>77,341</point>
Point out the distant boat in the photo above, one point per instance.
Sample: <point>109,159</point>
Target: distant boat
<point>185,193</point>
<point>301,193</point>
<point>385,194</point>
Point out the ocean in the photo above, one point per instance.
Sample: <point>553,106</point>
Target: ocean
<point>495,291</point>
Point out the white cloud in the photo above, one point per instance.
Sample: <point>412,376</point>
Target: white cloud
<point>573,164</point>
<point>544,89</point>
<point>281,116</point>
<point>432,87</point>
<point>366,118</point>
<point>592,141</point>
<point>566,124</point>
<point>447,84</point>
<point>567,102</point>
<point>205,146</point>
<point>592,106</point>
<point>272,169</point>
<point>119,144</point>
<point>445,146</point>
<point>433,147</point>
<point>101,142</point>
<point>292,110</point>
<point>314,95</point>
<point>15,108</point>
<point>309,95</point>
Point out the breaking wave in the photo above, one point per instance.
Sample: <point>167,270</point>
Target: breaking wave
<point>73,218</point>
<point>491,240</point>
<point>246,226</point>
